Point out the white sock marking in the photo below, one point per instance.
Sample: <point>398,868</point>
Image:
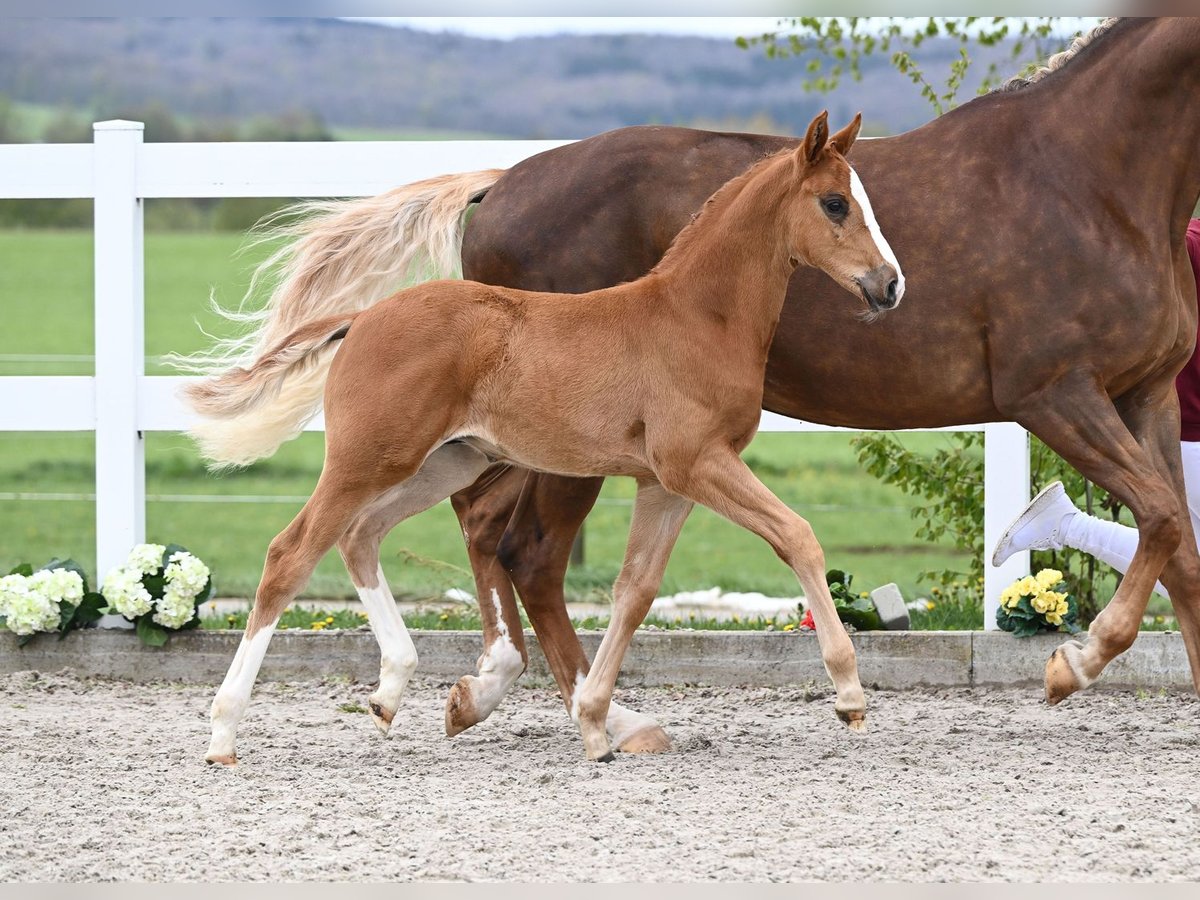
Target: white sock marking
<point>233,696</point>
<point>500,665</point>
<point>398,656</point>
<point>885,250</point>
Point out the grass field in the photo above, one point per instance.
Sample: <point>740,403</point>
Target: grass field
<point>45,291</point>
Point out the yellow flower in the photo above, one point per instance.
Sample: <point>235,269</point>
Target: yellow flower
<point>929,604</point>
<point>318,626</point>
<point>329,620</point>
<point>1027,586</point>
<point>864,594</point>
<point>790,626</point>
<point>1048,578</point>
<point>1010,597</point>
<point>1040,603</point>
<point>1054,618</point>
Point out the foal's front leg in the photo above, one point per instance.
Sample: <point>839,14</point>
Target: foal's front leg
<point>658,516</point>
<point>723,482</point>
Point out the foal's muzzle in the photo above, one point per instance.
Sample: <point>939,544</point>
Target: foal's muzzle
<point>880,287</point>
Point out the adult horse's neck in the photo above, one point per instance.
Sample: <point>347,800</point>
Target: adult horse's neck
<point>1130,106</point>
<point>733,262</point>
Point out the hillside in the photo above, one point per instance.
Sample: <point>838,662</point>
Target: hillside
<point>365,78</point>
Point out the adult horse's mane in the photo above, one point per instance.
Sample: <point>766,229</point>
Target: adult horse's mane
<point>1059,60</point>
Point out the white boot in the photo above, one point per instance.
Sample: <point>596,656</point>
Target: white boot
<point>1040,526</point>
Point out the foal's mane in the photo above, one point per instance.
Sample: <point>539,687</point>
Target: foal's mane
<point>719,200</point>
<point>1059,60</point>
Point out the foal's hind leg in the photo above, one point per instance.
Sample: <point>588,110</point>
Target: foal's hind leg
<point>658,516</point>
<point>1084,428</point>
<point>723,482</point>
<point>446,470</point>
<point>290,561</point>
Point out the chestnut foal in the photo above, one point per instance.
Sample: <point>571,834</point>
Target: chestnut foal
<point>660,379</point>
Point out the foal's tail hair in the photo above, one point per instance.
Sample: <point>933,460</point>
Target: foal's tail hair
<point>230,433</point>
<point>336,257</point>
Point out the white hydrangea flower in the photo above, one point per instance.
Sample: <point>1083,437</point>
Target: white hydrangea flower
<point>10,584</point>
<point>58,585</point>
<point>27,609</point>
<point>174,610</point>
<point>186,574</point>
<point>124,591</point>
<point>146,559</point>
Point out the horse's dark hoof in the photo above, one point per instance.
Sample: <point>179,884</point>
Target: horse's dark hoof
<point>607,757</point>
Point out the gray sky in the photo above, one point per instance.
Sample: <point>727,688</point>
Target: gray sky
<point>519,26</point>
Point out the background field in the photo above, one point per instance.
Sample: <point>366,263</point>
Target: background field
<point>45,280</point>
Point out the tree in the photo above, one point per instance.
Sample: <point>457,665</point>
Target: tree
<point>834,47</point>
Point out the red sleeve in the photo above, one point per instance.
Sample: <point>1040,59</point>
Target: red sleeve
<point>1187,384</point>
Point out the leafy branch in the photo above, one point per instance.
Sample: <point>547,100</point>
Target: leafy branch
<point>834,47</point>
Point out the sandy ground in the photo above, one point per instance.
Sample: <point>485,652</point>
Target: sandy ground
<point>105,780</point>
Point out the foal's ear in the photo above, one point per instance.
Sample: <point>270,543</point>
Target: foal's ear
<point>814,141</point>
<point>844,139</point>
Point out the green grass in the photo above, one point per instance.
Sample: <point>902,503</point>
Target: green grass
<point>45,283</point>
<point>947,618</point>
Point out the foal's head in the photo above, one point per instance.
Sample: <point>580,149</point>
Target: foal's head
<point>832,224</point>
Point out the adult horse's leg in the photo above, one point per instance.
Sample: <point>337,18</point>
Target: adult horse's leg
<point>483,510</point>
<point>536,550</point>
<point>658,516</point>
<point>519,528</point>
<point>1155,425</point>
<point>1079,422</point>
<point>447,469</point>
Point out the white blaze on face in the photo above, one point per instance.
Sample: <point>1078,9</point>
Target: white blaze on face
<point>885,249</point>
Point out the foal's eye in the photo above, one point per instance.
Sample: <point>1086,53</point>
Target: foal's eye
<point>835,207</point>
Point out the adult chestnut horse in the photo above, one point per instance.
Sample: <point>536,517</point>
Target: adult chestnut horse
<point>1042,228</point>
<point>659,379</point>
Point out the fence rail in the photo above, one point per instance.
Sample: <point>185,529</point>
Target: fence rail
<point>120,402</point>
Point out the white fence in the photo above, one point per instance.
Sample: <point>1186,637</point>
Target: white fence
<point>120,402</point>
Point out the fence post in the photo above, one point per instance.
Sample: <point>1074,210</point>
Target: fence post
<point>1005,493</point>
<point>120,344</point>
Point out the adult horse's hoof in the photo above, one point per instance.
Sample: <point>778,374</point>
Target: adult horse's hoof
<point>381,715</point>
<point>1063,670</point>
<point>648,740</point>
<point>854,719</point>
<point>460,708</point>
<point>607,757</point>
<point>221,759</point>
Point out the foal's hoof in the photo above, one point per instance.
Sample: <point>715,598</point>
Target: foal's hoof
<point>221,759</point>
<point>648,740</point>
<point>460,708</point>
<point>854,719</point>
<point>381,715</point>
<point>1063,676</point>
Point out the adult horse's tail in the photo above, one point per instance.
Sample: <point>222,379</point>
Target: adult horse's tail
<point>339,257</point>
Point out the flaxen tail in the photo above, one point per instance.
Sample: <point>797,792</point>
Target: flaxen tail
<point>339,257</point>
<point>238,393</point>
